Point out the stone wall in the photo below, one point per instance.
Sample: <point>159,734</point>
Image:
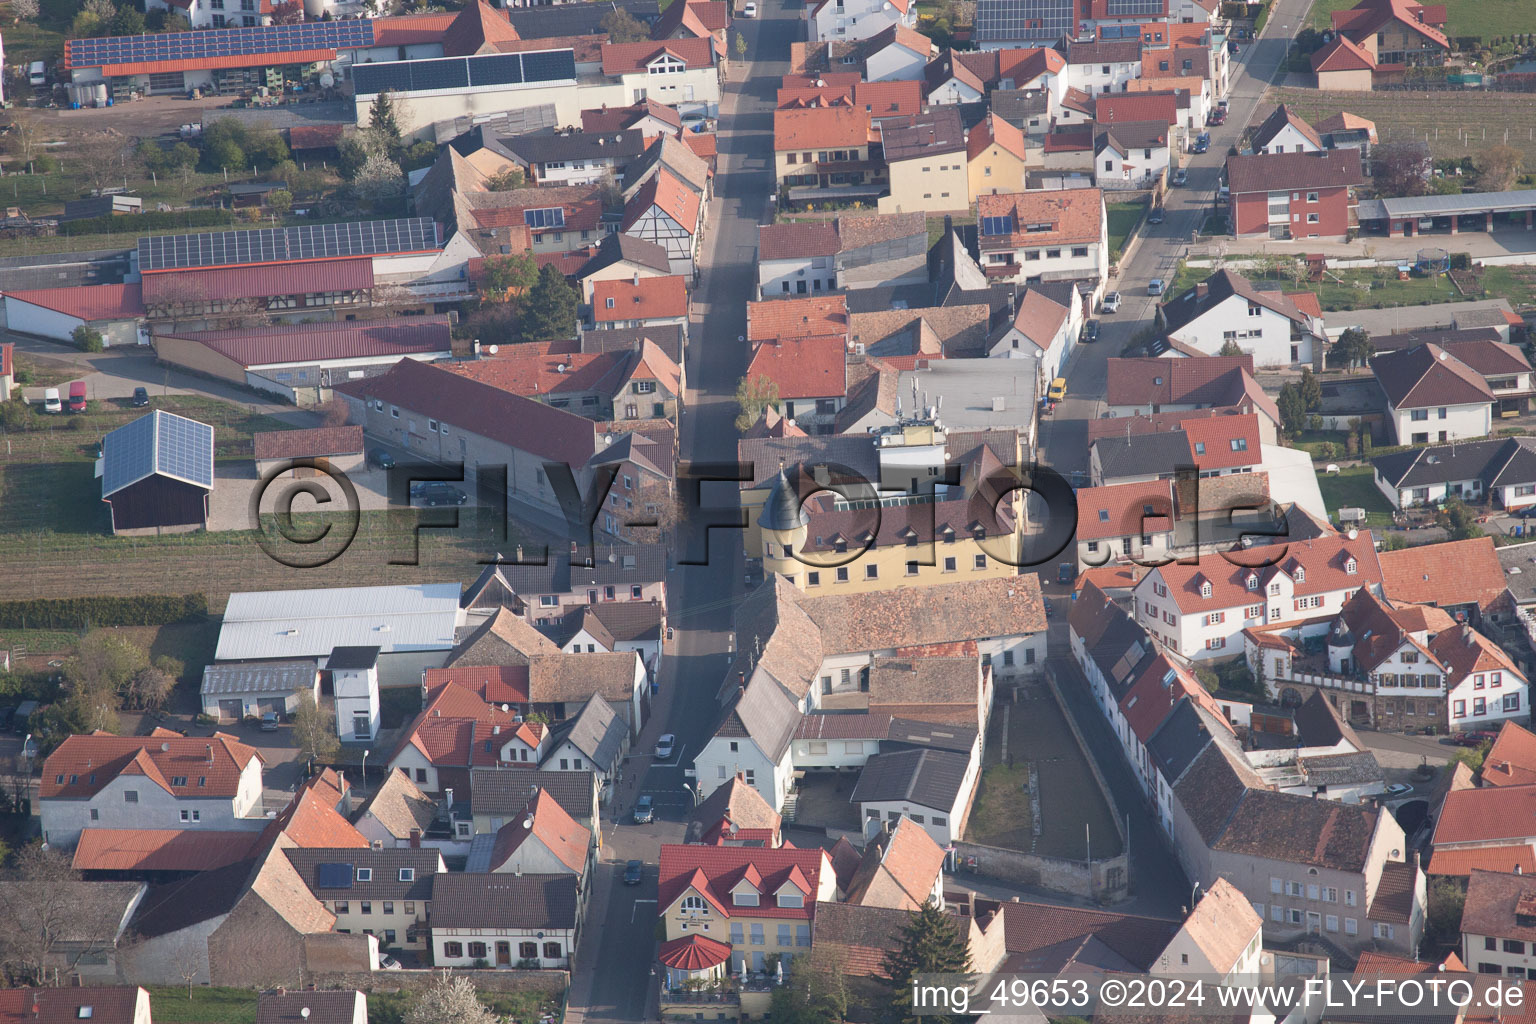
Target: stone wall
<point>552,982</point>
<point>1103,880</point>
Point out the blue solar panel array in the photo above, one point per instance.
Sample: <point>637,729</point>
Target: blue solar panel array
<point>333,876</point>
<point>219,42</point>
<point>1124,8</point>
<point>280,245</point>
<point>1034,21</point>
<point>162,443</point>
<point>997,225</point>
<point>463,72</point>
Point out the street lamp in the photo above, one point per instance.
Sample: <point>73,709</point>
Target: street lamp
<point>365,771</point>
<point>698,797</point>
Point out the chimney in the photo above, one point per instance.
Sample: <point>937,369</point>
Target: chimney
<point>636,281</point>
<point>448,795</point>
<point>1201,291</point>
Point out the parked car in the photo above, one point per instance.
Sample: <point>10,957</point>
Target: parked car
<point>1058,390</point>
<point>749,10</point>
<point>1155,286</point>
<point>1090,332</point>
<point>437,492</point>
<point>270,721</point>
<point>51,401</point>
<point>381,459</point>
<point>634,871</point>
<point>1180,176</point>
<point>1219,115</point>
<point>645,810</point>
<point>1111,303</point>
<point>1066,572</point>
<point>1202,142</point>
<point>1528,512</point>
<point>1472,739</point>
<point>389,963</point>
<point>664,746</point>
<point>77,396</point>
<point>1397,789</point>
<point>37,74</point>
<point>1156,216</point>
<point>140,397</point>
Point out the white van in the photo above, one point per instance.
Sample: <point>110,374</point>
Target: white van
<point>51,402</point>
<point>37,73</point>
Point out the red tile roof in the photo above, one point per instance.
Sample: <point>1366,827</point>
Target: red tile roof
<point>792,240</point>
<point>313,824</point>
<point>297,278</point>
<point>803,367</point>
<point>1073,215</point>
<point>447,729</point>
<point>1487,815</point>
<point>160,849</point>
<point>1463,651</point>
<point>792,318</point>
<point>1307,302</point>
<point>1343,54</point>
<point>694,953</point>
<point>1154,693</point>
<point>703,145</point>
<point>1120,510</point>
<point>7,359</point>
<point>352,339</point>
<point>113,1004</point>
<point>207,766</point>
<point>669,195</point>
<point>1511,761</point>
<point>820,128</point>
<point>301,444</point>
<point>630,58</point>
<point>713,871</point>
<point>1444,574</point>
<point>552,826</point>
<point>642,298</point>
<point>1224,442</point>
<point>88,302</point>
<point>1321,562</point>
<point>477,29</point>
<point>482,409</point>
<point>411,28</point>
<point>1113,108</point>
<point>1169,381</point>
<point>497,684</point>
<point>993,129</point>
<point>1462,863</point>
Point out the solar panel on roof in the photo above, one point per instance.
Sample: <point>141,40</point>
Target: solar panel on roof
<point>205,43</point>
<point>278,245</point>
<point>997,225</point>
<point>549,66</point>
<point>371,79</point>
<point>1121,8</point>
<point>158,443</point>
<point>496,69</point>
<point>451,73</point>
<point>333,876</point>
<point>1042,21</point>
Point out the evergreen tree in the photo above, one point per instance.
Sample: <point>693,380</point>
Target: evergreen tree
<point>382,118</point>
<point>1293,409</point>
<point>1355,346</point>
<point>931,943</point>
<point>550,309</point>
<point>1311,390</point>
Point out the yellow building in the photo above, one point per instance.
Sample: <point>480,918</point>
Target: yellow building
<point>733,917</point>
<point>825,151</point>
<point>995,157</point>
<point>925,157</point>
<point>892,524</point>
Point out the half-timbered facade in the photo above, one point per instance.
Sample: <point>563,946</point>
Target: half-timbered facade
<point>668,212</point>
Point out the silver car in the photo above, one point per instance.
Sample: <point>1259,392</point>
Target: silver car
<point>1111,303</point>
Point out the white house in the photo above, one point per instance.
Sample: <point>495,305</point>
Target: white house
<point>1484,688</point>
<point>896,54</point>
<point>160,781</point>
<point>931,787</point>
<point>1199,609</point>
<point>1502,470</point>
<point>1130,155</point>
<point>1103,65</point>
<point>116,310</point>
<point>1045,328</point>
<point>681,73</point>
<point>1284,132</point>
<point>503,920</point>
<point>1124,521</point>
<point>1031,237</point>
<point>667,211</point>
<point>231,692</point>
<point>1498,923</point>
<point>796,258</point>
<point>851,20</point>
<point>752,740</point>
<point>216,13</point>
<point>355,681</point>
<point>1433,396</point>
<point>1227,308</point>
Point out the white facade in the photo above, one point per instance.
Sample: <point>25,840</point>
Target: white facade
<point>1053,355</point>
<point>656,225</point>
<point>135,802</point>
<point>553,948</point>
<point>722,757</point>
<point>1146,547</point>
<point>215,13</point>
<point>1470,489</point>
<point>1485,700</point>
<point>1494,954</point>
<point>357,704</point>
<point>1256,329</point>
<point>801,275</point>
<point>852,20</point>
<point>895,63</point>
<point>941,823</point>
<point>1133,167</point>
<point>1289,140</point>
<point>952,92</point>
<point>1441,423</point>
<point>24,317</point>
<point>667,80</point>
<point>1095,79</point>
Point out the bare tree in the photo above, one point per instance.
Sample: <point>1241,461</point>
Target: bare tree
<point>24,10</point>
<point>450,1000</point>
<point>314,728</point>
<point>50,918</point>
<point>189,960</point>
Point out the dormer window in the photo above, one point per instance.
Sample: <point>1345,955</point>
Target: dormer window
<point>407,874</point>
<point>745,899</point>
<point>1252,582</point>
<point>1350,566</point>
<point>1300,574</point>
<point>1205,589</point>
<point>791,899</point>
<point>1199,447</point>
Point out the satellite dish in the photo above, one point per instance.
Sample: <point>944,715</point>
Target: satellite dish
<point>505,708</point>
<point>304,1013</point>
<point>494,349</point>
<point>327,80</point>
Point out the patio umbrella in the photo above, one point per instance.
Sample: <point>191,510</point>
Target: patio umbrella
<point>778,972</point>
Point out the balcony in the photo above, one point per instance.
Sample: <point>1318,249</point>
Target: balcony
<point>1002,270</point>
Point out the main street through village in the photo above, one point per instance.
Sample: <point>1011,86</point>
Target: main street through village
<point>701,597</point>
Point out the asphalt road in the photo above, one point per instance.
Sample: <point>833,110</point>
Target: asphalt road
<point>700,597</point>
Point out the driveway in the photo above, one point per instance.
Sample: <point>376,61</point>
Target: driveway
<point>235,481</point>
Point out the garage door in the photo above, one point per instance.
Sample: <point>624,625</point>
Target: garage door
<point>265,704</point>
<point>230,709</point>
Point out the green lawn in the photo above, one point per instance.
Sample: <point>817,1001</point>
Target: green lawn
<point>1311,440</point>
<point>936,226</point>
<point>1001,815</point>
<point>39,641</point>
<point>1483,18</point>
<point>1123,218</point>
<point>60,497</point>
<point>1355,487</point>
<point>207,1005</point>
<point>1323,9</point>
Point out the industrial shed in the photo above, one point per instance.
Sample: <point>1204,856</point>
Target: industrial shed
<point>234,690</point>
<point>156,474</point>
<point>116,310</point>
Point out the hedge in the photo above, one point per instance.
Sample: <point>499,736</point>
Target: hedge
<point>85,612</point>
<point>155,220</point>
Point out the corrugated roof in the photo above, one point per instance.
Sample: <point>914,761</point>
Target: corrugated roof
<point>88,302</point>
<point>181,287</point>
<point>312,623</point>
<point>282,344</point>
<point>160,849</point>
<point>260,677</point>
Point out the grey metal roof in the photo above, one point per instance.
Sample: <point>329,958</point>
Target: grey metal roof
<point>931,778</point>
<point>1519,562</point>
<point>1467,202</point>
<point>260,677</point>
<point>161,443</point>
<point>313,623</point>
<point>967,392</point>
<point>545,146</point>
<point>354,657</point>
<point>597,731</point>
<point>1142,454</point>
<point>935,735</point>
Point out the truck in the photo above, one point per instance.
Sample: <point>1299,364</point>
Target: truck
<point>77,396</point>
<point>51,402</point>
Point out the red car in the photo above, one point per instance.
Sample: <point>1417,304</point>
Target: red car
<point>1219,116</point>
<point>1472,739</point>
